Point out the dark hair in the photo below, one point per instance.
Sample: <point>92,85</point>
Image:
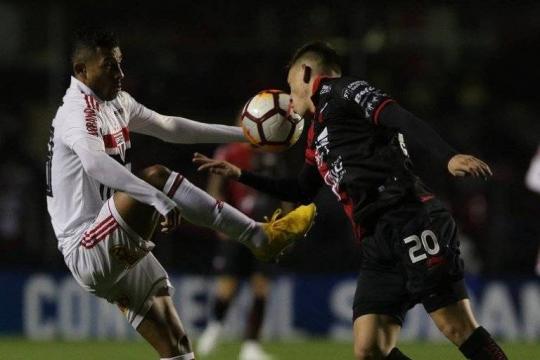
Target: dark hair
<point>88,39</point>
<point>327,57</point>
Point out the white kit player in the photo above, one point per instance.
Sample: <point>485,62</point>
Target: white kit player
<point>104,216</point>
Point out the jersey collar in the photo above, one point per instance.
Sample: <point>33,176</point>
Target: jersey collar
<point>78,85</point>
<point>317,83</point>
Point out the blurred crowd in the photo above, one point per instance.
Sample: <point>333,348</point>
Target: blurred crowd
<point>467,69</point>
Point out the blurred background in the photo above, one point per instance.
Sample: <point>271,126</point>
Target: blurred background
<point>468,68</point>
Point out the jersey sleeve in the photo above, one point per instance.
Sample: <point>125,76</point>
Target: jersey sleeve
<point>138,115</point>
<point>176,129</point>
<point>82,125</point>
<point>361,98</point>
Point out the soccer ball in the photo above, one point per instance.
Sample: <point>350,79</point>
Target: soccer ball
<point>267,122</point>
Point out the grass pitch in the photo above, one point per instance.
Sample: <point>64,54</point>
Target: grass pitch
<point>20,349</point>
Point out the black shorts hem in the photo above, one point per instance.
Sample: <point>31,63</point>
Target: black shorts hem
<point>379,309</point>
<point>443,297</point>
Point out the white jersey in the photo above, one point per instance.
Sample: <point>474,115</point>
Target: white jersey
<point>85,134</point>
<point>73,198</point>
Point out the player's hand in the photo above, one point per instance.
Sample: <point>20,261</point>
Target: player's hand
<point>468,165</point>
<point>218,167</point>
<point>170,221</point>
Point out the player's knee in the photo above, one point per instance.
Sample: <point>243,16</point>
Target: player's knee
<point>367,352</point>
<point>456,333</point>
<point>184,345</point>
<point>156,175</point>
<point>176,342</point>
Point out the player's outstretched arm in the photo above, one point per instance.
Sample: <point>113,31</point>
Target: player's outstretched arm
<point>417,131</point>
<point>180,130</point>
<point>301,189</point>
<point>177,129</point>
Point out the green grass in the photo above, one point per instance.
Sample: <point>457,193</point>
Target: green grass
<point>19,349</point>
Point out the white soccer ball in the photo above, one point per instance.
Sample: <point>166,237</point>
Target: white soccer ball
<point>267,122</point>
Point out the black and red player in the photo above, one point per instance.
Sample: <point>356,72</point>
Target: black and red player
<point>410,253</point>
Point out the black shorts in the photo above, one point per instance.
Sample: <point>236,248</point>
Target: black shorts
<point>412,256</point>
<point>236,260</point>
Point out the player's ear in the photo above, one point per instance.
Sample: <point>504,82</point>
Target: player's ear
<point>79,69</point>
<point>307,74</point>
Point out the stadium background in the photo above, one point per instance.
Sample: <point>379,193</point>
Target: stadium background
<point>469,68</point>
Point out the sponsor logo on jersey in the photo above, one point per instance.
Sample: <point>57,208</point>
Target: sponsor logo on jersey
<point>351,88</point>
<point>325,89</point>
<point>403,145</point>
<point>90,115</point>
<point>332,172</point>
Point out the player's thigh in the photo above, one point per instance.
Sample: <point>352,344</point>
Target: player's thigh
<point>136,292</point>
<point>375,335</point>
<point>381,284</point>
<point>140,217</point>
<point>456,321</point>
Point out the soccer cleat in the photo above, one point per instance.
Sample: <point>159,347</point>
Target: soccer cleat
<point>283,232</point>
<point>251,350</point>
<point>209,339</point>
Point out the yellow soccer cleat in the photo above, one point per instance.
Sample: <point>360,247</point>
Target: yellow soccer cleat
<point>283,232</point>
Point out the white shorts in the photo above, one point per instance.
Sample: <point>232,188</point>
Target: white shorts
<point>115,263</point>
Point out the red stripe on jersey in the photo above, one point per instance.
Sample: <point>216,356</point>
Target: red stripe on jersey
<point>176,183</point>
<point>109,140</point>
<point>87,101</point>
<point>96,104</point>
<point>379,108</point>
<point>125,132</point>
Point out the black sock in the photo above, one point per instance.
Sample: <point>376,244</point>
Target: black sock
<point>220,309</point>
<point>395,354</point>
<point>481,346</point>
<point>255,319</point>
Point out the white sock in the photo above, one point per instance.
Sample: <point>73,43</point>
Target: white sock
<point>189,356</point>
<point>199,208</point>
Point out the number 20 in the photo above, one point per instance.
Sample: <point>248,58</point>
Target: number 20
<point>431,247</point>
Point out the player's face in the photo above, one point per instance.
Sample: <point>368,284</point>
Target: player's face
<point>104,74</point>
<point>300,91</point>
